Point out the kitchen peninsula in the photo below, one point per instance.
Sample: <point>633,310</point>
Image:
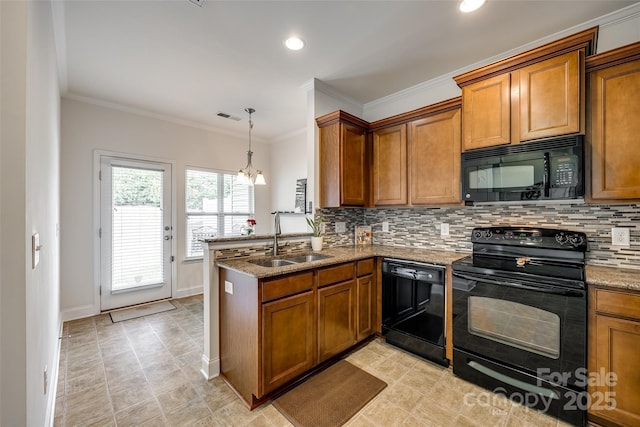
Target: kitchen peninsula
<point>229,260</point>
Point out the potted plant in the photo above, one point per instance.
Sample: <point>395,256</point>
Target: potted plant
<point>316,227</point>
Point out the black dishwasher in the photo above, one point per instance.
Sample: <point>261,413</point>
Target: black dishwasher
<point>413,301</point>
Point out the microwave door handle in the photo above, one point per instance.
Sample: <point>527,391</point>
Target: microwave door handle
<point>546,177</point>
<point>518,285</point>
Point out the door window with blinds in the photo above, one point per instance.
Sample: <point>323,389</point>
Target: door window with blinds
<point>216,206</point>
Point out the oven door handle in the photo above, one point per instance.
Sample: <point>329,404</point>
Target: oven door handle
<point>520,285</point>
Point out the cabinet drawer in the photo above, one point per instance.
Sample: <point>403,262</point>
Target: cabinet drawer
<point>365,267</point>
<point>617,303</point>
<point>336,274</point>
<point>277,288</point>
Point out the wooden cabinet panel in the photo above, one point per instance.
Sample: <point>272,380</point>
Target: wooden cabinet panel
<point>390,166</point>
<point>486,113</point>
<point>366,298</point>
<point>335,274</point>
<point>435,159</point>
<point>617,303</point>
<point>288,339</point>
<point>288,285</point>
<point>551,97</point>
<point>365,266</point>
<point>353,166</point>
<point>344,169</point>
<point>614,129</point>
<point>614,343</point>
<point>336,322</point>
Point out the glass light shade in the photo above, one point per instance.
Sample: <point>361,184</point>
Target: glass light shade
<point>260,179</point>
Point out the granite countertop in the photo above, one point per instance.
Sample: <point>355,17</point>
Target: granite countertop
<point>344,254</point>
<point>613,277</point>
<point>252,237</point>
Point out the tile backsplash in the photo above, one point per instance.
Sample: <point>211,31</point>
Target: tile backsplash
<point>420,227</point>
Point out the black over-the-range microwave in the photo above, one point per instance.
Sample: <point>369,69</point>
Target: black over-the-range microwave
<point>542,170</point>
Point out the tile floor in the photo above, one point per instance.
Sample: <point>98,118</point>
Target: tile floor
<point>145,372</point>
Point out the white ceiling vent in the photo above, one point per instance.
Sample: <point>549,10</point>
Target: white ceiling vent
<point>228,116</point>
<point>197,2</point>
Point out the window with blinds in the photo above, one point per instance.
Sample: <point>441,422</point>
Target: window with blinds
<point>216,205</point>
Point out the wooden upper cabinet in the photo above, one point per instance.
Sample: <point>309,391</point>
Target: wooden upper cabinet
<point>551,97</point>
<point>536,94</point>
<point>614,126</point>
<point>486,107</point>
<point>344,171</point>
<point>416,156</point>
<point>435,159</point>
<point>390,166</point>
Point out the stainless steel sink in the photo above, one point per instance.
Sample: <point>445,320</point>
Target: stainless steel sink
<point>272,262</point>
<point>307,257</point>
<point>293,259</point>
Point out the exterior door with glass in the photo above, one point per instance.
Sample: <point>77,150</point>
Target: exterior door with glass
<point>135,232</point>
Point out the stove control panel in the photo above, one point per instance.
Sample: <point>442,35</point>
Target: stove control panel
<point>530,236</point>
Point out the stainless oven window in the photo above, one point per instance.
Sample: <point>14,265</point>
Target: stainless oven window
<point>512,176</point>
<point>517,325</point>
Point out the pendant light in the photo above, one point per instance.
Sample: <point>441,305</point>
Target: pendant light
<point>249,175</point>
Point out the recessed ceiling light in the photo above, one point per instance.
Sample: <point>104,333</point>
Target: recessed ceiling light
<point>467,6</point>
<point>294,43</point>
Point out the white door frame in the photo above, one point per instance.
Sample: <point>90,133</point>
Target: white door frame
<point>97,154</point>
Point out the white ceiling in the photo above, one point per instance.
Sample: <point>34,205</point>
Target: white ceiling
<point>178,60</point>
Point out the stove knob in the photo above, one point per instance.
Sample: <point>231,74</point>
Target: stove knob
<point>477,234</point>
<point>561,238</point>
<point>487,234</point>
<point>576,239</point>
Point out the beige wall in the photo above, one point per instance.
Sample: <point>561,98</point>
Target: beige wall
<point>29,203</point>
<point>88,127</point>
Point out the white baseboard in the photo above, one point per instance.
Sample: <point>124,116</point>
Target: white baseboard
<point>79,312</point>
<point>183,293</point>
<point>53,381</point>
<point>210,368</point>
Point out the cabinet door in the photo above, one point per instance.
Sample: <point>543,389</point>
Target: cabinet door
<point>551,97</point>
<point>353,166</point>
<point>435,159</point>
<point>366,307</point>
<point>486,113</point>
<point>288,339</point>
<point>616,346</point>
<point>615,146</point>
<point>336,322</point>
<point>390,166</point>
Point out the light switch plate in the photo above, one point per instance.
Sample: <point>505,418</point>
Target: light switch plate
<point>385,226</point>
<point>620,236</point>
<point>228,287</point>
<point>341,227</point>
<point>444,229</point>
<point>35,250</point>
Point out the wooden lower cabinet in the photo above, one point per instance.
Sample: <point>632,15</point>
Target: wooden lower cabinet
<point>336,320</point>
<point>614,346</point>
<point>274,330</point>
<point>366,303</point>
<point>288,339</point>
